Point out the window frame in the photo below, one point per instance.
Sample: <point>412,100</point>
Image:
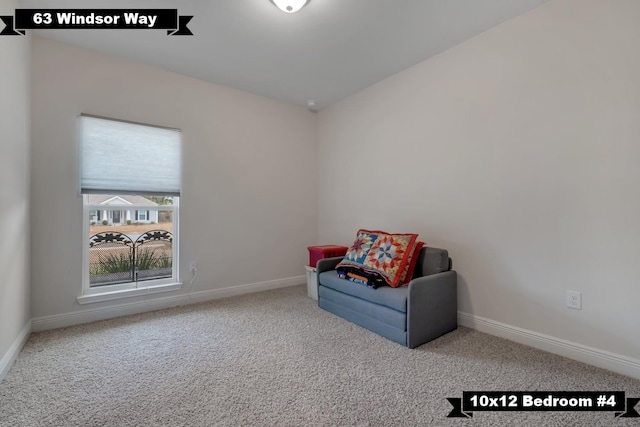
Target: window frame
<point>129,289</point>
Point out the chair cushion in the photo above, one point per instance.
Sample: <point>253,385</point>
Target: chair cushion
<point>381,313</point>
<point>395,298</point>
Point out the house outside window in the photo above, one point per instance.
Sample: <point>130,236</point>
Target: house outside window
<point>122,253</point>
<point>131,206</point>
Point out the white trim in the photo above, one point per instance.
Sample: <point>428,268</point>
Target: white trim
<point>117,310</point>
<point>593,356</point>
<point>249,288</point>
<point>128,203</point>
<point>129,208</point>
<point>127,293</point>
<point>10,356</point>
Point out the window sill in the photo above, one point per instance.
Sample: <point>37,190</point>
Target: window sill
<point>127,293</point>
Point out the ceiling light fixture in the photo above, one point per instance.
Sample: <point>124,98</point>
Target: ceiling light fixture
<point>290,6</point>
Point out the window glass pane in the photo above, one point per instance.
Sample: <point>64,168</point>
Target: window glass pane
<point>123,250</point>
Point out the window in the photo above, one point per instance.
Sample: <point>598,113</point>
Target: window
<point>130,183</point>
<point>123,254</point>
<point>142,215</point>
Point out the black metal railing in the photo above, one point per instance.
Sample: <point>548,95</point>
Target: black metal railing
<point>115,257</point>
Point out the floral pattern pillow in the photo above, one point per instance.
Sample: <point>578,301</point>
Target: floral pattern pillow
<point>381,252</point>
<point>407,274</point>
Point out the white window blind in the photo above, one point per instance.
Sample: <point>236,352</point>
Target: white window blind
<point>119,157</point>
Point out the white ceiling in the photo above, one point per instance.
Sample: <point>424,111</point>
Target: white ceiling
<point>325,52</point>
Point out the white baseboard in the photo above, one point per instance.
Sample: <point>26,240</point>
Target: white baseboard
<point>232,291</point>
<point>124,309</point>
<point>10,356</point>
<point>582,353</point>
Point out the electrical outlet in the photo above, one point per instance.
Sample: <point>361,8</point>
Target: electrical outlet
<point>193,267</point>
<point>574,300</point>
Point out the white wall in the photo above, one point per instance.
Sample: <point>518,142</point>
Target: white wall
<point>519,152</point>
<point>248,208</point>
<point>14,191</point>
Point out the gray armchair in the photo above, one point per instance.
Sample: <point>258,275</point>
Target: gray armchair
<point>410,315</point>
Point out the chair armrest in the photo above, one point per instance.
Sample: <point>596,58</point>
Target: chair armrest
<point>327,264</point>
<point>432,307</point>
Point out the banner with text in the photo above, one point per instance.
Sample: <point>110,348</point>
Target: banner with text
<point>102,19</point>
<point>572,401</point>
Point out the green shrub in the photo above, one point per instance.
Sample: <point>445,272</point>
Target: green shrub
<point>146,259</point>
<point>128,222</point>
<point>111,263</point>
<point>149,260</point>
<point>164,262</point>
<point>105,222</point>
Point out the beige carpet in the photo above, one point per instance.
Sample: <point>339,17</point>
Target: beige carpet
<point>274,358</point>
